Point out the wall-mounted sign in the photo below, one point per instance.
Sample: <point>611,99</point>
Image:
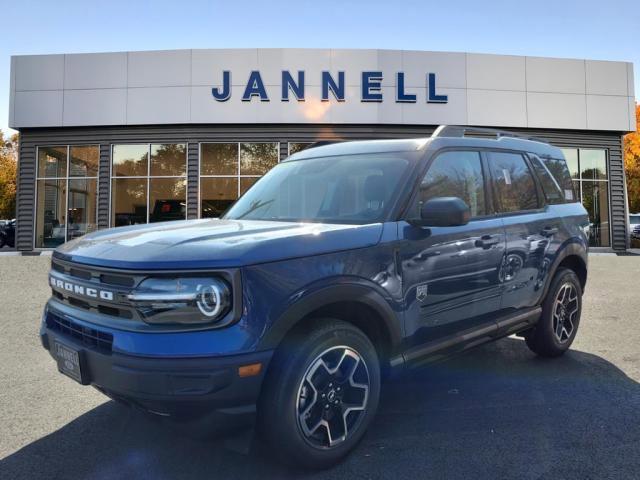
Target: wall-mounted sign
<point>331,86</point>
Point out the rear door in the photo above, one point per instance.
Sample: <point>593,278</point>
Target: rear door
<point>530,228</point>
<point>451,274</point>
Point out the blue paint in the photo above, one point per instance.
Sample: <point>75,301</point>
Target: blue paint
<point>224,94</point>
<point>432,96</point>
<point>329,84</point>
<point>371,87</point>
<point>255,88</point>
<point>288,83</point>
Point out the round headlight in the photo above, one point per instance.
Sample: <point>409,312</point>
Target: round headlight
<point>210,300</point>
<point>182,300</point>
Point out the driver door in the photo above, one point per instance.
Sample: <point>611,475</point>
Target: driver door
<point>451,274</point>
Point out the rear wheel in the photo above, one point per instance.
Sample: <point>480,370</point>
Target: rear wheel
<point>558,325</point>
<point>320,394</point>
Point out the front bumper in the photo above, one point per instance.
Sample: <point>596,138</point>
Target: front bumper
<point>183,388</point>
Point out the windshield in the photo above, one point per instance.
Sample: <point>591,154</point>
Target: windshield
<point>354,189</point>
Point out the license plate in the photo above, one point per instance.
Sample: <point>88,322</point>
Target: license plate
<point>68,361</point>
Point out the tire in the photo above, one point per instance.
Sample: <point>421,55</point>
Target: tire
<point>328,373</point>
<point>2,241</point>
<point>561,309</point>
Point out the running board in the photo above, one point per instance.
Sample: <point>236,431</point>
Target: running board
<point>502,327</point>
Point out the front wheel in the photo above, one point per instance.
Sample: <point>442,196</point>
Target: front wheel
<point>558,324</point>
<point>320,395</point>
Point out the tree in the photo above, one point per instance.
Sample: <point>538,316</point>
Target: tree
<point>8,175</point>
<point>632,165</point>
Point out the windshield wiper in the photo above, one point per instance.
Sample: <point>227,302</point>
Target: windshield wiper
<point>254,206</point>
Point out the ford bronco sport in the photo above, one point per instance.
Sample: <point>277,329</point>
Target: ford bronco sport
<point>343,262</point>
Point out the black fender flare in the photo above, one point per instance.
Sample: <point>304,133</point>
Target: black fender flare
<point>392,322</point>
<point>570,249</point>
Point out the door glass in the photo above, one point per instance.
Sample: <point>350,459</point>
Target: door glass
<point>217,195</point>
<point>51,218</point>
<point>128,201</point>
<point>512,182</point>
<point>455,174</point>
<point>595,198</point>
<point>82,207</point>
<point>167,199</point>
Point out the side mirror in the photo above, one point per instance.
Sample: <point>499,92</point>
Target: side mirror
<point>443,212</point>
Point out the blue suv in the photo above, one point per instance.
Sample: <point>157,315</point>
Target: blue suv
<point>344,262</point>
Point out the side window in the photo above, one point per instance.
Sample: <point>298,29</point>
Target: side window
<point>552,190</point>
<point>560,171</point>
<point>455,174</point>
<point>513,183</point>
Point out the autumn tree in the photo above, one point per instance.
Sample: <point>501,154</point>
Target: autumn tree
<point>8,165</point>
<point>632,165</point>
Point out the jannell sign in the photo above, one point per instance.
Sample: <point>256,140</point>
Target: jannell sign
<point>371,88</point>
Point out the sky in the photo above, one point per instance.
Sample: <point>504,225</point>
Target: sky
<point>603,30</point>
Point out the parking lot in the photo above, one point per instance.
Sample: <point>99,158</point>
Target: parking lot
<point>496,412</point>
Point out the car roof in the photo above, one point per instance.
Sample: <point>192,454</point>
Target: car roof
<point>503,141</point>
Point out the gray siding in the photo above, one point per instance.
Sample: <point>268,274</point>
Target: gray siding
<point>193,134</point>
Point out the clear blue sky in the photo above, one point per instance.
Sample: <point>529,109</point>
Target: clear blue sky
<point>602,29</point>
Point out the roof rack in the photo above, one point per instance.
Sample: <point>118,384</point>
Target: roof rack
<point>460,131</point>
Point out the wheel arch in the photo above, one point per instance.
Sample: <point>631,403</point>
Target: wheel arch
<point>360,305</point>
<point>572,256</point>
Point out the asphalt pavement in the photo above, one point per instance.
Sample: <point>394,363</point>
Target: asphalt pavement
<point>495,412</point>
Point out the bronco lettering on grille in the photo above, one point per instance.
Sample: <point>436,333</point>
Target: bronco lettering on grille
<point>80,289</point>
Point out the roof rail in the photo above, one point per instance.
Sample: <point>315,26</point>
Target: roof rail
<point>460,131</point>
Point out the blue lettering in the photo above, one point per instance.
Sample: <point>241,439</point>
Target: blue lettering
<point>288,83</point>
<point>432,96</point>
<point>255,87</point>
<point>401,96</point>
<point>225,94</point>
<point>371,86</point>
<point>328,83</point>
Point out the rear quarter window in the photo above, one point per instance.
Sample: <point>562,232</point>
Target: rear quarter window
<point>558,168</point>
<point>553,192</point>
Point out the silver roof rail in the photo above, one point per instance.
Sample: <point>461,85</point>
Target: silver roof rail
<point>457,131</point>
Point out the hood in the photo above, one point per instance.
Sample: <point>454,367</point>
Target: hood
<point>213,243</point>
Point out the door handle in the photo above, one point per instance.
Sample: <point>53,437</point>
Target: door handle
<point>487,241</point>
<point>549,231</point>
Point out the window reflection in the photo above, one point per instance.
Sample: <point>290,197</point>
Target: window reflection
<point>571,155</point>
<point>128,201</point>
<point>84,161</point>
<point>595,198</point>
<point>219,159</point>
<point>589,169</point>
<point>52,162</point>
<point>593,164</point>
<point>217,195</point>
<point>169,159</point>
<point>82,207</point>
<point>66,207</point>
<point>50,214</point>
<point>257,158</point>
<point>130,160</point>
<point>167,199</point>
<point>295,147</point>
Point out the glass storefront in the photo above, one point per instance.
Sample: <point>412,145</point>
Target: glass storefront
<point>227,170</point>
<point>148,183</point>
<point>588,169</point>
<point>66,189</point>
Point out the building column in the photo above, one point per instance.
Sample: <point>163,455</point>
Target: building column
<point>104,185</point>
<point>193,174</point>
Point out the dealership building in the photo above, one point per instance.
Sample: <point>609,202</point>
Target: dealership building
<point>110,139</point>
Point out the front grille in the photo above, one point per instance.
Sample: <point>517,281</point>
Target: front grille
<point>99,279</point>
<point>89,337</point>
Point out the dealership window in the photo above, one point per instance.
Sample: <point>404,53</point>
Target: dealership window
<point>227,170</point>
<point>148,183</point>
<point>66,189</point>
<point>588,169</point>
<point>295,147</point>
